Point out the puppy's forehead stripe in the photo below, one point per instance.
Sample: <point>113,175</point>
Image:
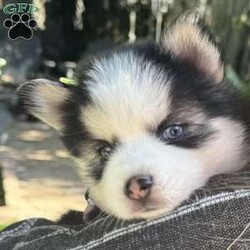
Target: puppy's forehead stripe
<point>131,90</point>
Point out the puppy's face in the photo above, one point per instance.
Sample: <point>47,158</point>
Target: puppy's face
<point>147,124</point>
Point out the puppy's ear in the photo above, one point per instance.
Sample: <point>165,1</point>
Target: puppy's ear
<point>44,99</point>
<point>186,42</point>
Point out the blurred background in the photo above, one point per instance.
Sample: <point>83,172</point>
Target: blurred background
<point>37,179</point>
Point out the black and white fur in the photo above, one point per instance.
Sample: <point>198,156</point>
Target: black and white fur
<point>125,102</point>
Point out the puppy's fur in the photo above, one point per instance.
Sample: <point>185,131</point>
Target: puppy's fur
<point>126,101</point>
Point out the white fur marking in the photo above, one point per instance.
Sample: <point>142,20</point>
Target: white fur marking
<point>131,91</point>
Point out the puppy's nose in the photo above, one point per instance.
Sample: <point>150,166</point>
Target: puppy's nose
<point>138,187</point>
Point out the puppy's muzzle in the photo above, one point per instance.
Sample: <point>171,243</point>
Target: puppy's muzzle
<point>139,187</point>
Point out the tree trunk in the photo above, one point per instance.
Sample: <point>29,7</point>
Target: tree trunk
<point>231,32</point>
<point>2,195</point>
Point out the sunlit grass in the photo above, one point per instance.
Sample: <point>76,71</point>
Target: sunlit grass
<point>32,135</point>
<point>2,226</point>
<point>61,154</point>
<point>4,149</point>
<point>39,155</point>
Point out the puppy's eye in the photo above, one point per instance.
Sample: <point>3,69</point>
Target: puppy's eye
<point>105,152</point>
<point>173,132</point>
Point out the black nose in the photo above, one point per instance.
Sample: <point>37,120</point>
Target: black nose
<point>138,187</point>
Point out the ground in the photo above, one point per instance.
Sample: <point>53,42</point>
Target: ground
<point>40,179</point>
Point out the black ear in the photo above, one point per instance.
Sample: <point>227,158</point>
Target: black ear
<point>43,99</point>
<point>186,42</point>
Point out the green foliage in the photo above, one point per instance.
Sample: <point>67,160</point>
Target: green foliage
<point>242,20</point>
<point>2,226</point>
<point>67,81</point>
<point>3,63</point>
<point>237,82</point>
<point>232,76</point>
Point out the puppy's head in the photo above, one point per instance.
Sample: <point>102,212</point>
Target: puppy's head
<point>147,124</point>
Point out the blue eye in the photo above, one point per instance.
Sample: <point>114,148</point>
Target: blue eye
<point>105,152</point>
<point>173,132</point>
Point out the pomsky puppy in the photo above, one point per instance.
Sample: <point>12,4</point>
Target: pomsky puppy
<point>147,124</point>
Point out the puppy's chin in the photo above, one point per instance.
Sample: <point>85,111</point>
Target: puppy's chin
<point>133,213</point>
<point>156,206</point>
<point>148,212</point>
<point>153,214</point>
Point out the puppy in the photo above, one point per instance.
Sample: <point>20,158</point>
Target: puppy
<point>147,124</point>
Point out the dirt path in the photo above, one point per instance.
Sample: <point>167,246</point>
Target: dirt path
<point>39,178</point>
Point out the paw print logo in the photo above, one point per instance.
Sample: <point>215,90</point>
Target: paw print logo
<point>20,26</point>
